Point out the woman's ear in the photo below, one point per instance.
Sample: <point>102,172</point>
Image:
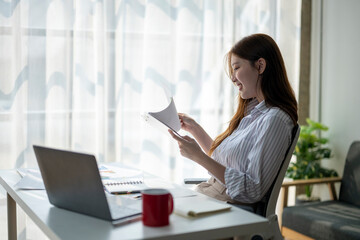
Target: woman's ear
<point>261,65</point>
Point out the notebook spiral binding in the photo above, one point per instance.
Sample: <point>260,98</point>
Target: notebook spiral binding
<point>124,183</point>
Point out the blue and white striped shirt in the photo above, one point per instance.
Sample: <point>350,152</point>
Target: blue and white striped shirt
<point>252,154</point>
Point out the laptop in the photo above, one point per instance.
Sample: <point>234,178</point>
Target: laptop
<point>72,181</point>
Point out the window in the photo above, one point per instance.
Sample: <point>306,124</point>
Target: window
<point>78,74</point>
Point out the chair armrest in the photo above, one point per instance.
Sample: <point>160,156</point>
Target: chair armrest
<point>194,180</point>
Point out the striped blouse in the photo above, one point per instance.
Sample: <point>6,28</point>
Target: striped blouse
<point>252,154</point>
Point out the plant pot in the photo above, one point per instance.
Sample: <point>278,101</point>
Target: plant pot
<point>303,199</point>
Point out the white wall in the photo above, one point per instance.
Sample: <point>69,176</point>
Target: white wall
<point>335,78</point>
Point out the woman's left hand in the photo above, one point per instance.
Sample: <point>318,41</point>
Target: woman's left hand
<point>189,148</point>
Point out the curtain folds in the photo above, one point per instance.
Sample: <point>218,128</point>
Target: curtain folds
<point>78,74</point>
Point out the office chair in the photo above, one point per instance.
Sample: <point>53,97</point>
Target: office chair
<point>266,206</point>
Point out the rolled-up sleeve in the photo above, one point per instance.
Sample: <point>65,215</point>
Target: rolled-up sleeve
<point>264,159</point>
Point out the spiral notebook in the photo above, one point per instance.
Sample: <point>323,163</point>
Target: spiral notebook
<point>195,207</point>
<point>126,186</point>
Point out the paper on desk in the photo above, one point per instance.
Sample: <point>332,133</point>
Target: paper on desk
<point>181,192</point>
<point>31,179</point>
<point>175,190</point>
<point>165,119</point>
<point>109,172</point>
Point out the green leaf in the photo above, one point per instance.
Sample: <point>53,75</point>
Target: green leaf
<point>309,151</point>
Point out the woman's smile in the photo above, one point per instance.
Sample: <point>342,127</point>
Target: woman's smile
<point>239,85</point>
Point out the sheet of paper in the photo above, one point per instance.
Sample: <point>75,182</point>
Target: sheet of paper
<point>109,172</point>
<point>165,119</point>
<point>175,190</point>
<point>31,179</point>
<point>182,192</point>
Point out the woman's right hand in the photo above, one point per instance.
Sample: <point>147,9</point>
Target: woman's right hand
<point>187,123</point>
<point>190,125</point>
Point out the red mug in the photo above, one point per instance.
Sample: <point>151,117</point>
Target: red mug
<point>157,205</point>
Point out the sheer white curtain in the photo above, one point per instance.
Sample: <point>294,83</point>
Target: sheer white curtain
<point>78,74</point>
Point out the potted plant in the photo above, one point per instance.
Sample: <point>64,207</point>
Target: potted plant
<point>309,150</point>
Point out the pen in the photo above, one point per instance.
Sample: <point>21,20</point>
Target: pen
<point>125,193</point>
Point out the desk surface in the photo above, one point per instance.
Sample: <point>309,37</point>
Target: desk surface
<point>57,223</point>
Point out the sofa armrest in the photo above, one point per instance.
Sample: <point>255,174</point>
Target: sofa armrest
<point>302,182</point>
<point>312,181</point>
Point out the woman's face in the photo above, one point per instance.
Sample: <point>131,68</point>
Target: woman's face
<point>245,77</point>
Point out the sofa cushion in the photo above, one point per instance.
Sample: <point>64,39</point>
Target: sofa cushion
<point>324,220</point>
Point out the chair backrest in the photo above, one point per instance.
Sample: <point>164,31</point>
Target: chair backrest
<point>350,183</point>
<point>273,192</point>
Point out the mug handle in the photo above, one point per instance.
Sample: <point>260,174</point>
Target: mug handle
<point>171,203</point>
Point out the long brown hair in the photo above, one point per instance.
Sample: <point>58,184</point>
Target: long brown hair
<point>275,85</point>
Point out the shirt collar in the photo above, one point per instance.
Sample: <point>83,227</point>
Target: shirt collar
<point>261,107</point>
<point>251,105</point>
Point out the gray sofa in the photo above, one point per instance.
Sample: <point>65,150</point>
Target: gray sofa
<point>332,219</point>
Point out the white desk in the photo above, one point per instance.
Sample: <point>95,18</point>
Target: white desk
<point>57,223</point>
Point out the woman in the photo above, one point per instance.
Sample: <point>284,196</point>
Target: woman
<point>245,158</point>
